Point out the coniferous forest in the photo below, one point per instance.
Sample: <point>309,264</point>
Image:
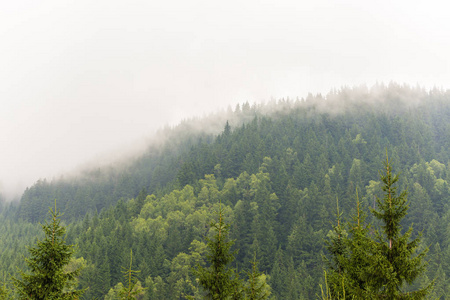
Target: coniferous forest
<point>286,200</point>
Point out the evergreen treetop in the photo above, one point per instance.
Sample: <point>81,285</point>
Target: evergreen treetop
<point>131,290</point>
<point>219,280</point>
<point>367,264</point>
<point>48,279</point>
<point>256,287</point>
<point>395,258</point>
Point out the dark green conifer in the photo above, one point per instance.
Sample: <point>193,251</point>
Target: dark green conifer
<point>376,266</point>
<point>48,279</point>
<point>256,288</point>
<point>356,281</point>
<point>351,250</point>
<point>278,275</point>
<point>4,291</point>
<point>219,280</point>
<point>140,201</point>
<point>337,247</point>
<point>131,290</point>
<point>395,261</point>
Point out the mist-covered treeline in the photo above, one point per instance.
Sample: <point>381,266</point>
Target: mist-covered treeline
<point>187,152</point>
<point>277,169</point>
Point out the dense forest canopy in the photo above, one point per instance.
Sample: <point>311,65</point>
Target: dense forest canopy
<point>277,170</point>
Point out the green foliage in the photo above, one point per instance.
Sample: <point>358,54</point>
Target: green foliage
<point>219,280</point>
<point>337,246</point>
<point>379,266</point>
<point>48,278</point>
<point>395,258</point>
<point>4,291</point>
<point>351,253</point>
<point>132,289</point>
<point>278,169</point>
<point>338,290</point>
<point>256,287</point>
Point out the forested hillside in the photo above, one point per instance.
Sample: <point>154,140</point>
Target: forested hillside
<point>276,169</point>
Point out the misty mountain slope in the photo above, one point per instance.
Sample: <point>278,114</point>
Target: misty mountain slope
<point>358,123</point>
<point>94,188</point>
<point>277,174</point>
<point>279,207</point>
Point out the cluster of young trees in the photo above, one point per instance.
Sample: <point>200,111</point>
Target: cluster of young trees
<point>53,274</point>
<point>166,235</point>
<point>364,263</point>
<point>219,280</point>
<point>376,264</point>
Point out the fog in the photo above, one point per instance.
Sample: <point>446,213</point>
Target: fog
<point>83,79</point>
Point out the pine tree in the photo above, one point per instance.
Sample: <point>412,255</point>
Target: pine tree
<point>350,257</point>
<point>395,258</point>
<point>256,287</point>
<point>278,275</point>
<point>132,288</point>
<point>337,247</point>
<point>219,281</point>
<point>358,261</point>
<point>48,278</point>
<point>140,201</point>
<point>366,265</point>
<point>4,292</point>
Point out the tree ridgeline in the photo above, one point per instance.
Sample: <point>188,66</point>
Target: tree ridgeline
<point>277,176</point>
<point>321,133</point>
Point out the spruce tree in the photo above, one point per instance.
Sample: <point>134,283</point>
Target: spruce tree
<point>256,287</point>
<point>337,247</point>
<point>367,264</point>
<point>359,248</point>
<point>4,292</point>
<point>48,279</point>
<point>132,289</point>
<point>395,261</point>
<point>350,250</point>
<point>219,280</point>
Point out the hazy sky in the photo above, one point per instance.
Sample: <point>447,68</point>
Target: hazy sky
<point>81,78</point>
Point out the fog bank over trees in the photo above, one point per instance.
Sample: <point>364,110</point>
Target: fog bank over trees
<point>82,79</point>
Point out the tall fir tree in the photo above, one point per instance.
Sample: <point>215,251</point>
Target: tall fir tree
<point>48,279</point>
<point>219,280</point>
<point>351,257</point>
<point>338,250</point>
<point>395,261</point>
<point>359,255</point>
<point>132,289</point>
<point>378,265</point>
<point>256,287</point>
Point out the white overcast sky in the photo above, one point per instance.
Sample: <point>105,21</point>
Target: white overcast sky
<point>82,78</point>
